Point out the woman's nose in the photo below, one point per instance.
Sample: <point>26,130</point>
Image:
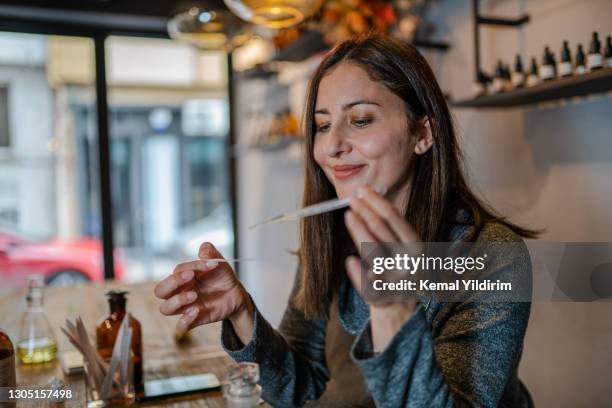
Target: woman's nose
<point>336,143</point>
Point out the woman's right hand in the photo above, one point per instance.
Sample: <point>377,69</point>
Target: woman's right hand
<point>205,291</point>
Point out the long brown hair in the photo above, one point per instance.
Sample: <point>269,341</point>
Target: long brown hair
<point>438,188</point>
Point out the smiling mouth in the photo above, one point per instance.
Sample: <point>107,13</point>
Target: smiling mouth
<point>346,171</point>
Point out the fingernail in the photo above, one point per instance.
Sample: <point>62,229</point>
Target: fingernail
<point>361,192</point>
<point>187,275</point>
<point>192,311</point>
<point>191,296</point>
<point>211,264</point>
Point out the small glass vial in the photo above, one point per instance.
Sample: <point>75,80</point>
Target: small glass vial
<point>240,387</point>
<point>108,329</point>
<point>37,342</point>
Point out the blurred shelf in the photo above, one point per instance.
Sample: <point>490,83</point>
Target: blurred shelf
<point>598,81</point>
<point>282,143</point>
<point>259,71</point>
<point>312,42</point>
<point>432,45</point>
<point>309,44</point>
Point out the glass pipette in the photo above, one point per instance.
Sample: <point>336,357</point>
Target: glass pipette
<point>315,209</point>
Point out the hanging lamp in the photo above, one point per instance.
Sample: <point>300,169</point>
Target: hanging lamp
<point>209,29</point>
<point>274,13</point>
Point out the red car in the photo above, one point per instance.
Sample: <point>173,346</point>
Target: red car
<point>61,262</point>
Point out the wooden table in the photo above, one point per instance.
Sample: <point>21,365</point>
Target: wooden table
<point>163,357</point>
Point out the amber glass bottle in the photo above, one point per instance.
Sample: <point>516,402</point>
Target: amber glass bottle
<point>7,361</point>
<point>107,330</point>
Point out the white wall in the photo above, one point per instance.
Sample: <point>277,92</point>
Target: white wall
<point>546,166</point>
<point>269,183</point>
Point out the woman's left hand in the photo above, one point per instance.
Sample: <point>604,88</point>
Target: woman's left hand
<point>372,218</point>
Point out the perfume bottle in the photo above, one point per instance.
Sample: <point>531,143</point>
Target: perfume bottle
<point>37,342</point>
<point>548,69</point>
<point>608,52</point>
<point>565,67</point>
<point>108,329</point>
<point>594,59</point>
<point>518,75</point>
<point>533,78</point>
<point>580,67</point>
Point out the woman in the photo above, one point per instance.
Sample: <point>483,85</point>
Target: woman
<point>375,116</point>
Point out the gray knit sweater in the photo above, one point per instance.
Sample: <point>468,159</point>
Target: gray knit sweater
<point>445,355</point>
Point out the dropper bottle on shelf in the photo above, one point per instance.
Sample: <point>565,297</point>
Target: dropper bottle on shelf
<point>533,77</point>
<point>547,69</point>
<point>608,52</point>
<point>594,59</point>
<point>565,66</point>
<point>499,79</point>
<point>518,75</point>
<point>580,67</point>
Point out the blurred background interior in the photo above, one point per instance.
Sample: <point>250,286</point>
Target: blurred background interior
<point>133,131</point>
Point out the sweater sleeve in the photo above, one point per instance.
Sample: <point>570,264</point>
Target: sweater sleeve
<point>291,360</point>
<point>469,363</point>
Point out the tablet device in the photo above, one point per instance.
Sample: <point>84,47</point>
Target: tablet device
<point>179,386</point>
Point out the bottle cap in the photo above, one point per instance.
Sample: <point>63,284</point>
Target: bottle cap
<point>595,44</point>
<point>565,53</point>
<point>116,293</point>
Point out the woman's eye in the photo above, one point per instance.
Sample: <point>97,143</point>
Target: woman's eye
<point>323,128</point>
<point>362,122</point>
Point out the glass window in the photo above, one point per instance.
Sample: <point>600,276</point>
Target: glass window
<point>49,201</point>
<point>169,125</point>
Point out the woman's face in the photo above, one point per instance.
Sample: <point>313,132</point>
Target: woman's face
<point>362,134</point>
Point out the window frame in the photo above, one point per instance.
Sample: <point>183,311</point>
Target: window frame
<point>99,35</point>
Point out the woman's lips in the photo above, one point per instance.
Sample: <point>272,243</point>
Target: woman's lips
<point>346,171</point>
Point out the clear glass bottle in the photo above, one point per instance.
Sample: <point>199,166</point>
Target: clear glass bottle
<point>37,342</point>
<point>240,387</point>
<point>108,329</point>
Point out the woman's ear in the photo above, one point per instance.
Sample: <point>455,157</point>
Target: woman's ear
<point>424,138</point>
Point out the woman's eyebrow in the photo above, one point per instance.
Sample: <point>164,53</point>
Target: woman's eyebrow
<point>348,106</point>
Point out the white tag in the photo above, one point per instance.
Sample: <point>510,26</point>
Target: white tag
<point>517,79</point>
<point>547,72</point>
<point>565,68</point>
<point>594,61</point>
<point>532,80</point>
